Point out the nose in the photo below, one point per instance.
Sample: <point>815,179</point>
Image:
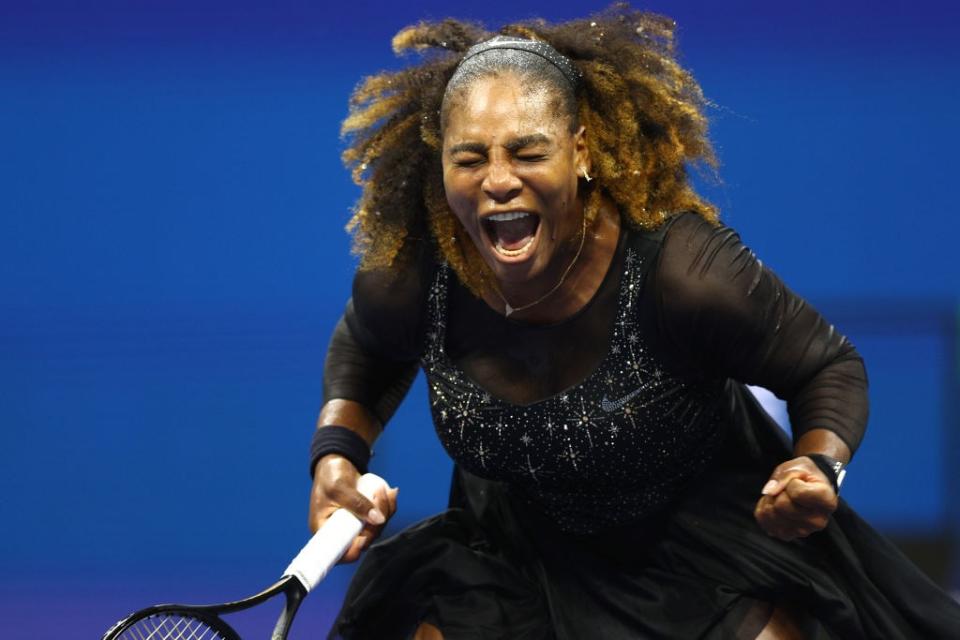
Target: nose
<point>501,183</point>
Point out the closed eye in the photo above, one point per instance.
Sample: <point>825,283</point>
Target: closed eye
<point>468,154</point>
<point>468,163</point>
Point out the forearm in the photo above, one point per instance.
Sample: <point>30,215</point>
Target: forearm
<point>834,400</point>
<point>350,415</point>
<point>361,392</point>
<point>356,374</point>
<point>353,416</point>
<point>822,441</point>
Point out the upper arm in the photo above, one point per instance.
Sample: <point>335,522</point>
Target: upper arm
<point>728,315</point>
<point>386,311</point>
<point>374,351</point>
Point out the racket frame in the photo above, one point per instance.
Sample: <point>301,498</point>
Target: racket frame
<point>210,614</point>
<point>303,573</point>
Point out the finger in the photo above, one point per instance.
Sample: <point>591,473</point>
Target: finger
<point>785,505</point>
<point>793,522</point>
<point>774,528</point>
<point>780,534</point>
<point>353,552</point>
<point>790,533</point>
<point>762,508</point>
<point>381,502</point>
<point>786,521</point>
<point>763,513</point>
<point>778,480</point>
<point>805,532</point>
<point>772,488</point>
<point>368,535</point>
<point>801,467</point>
<point>392,501</point>
<point>364,539</point>
<point>783,529</point>
<point>813,494</point>
<point>353,501</point>
<point>778,520</point>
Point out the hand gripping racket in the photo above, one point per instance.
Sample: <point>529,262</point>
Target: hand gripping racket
<point>188,622</point>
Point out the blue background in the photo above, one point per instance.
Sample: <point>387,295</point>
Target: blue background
<point>172,262</point>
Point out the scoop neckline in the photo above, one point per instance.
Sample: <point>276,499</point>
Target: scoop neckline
<point>594,371</point>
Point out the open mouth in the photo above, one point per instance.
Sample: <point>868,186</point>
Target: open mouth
<point>512,233</point>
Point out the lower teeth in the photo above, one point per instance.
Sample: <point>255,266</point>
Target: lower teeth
<point>514,252</point>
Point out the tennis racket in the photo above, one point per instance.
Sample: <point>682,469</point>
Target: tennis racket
<point>188,622</point>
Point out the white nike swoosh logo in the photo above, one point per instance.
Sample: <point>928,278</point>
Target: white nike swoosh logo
<point>613,405</point>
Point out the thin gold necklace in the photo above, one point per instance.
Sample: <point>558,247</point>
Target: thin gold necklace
<point>510,309</point>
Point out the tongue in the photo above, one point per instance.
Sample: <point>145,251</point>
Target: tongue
<point>514,234</point>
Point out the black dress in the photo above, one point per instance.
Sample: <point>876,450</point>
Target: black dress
<point>608,465</point>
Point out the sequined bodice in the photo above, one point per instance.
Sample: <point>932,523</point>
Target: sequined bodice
<point>605,452</point>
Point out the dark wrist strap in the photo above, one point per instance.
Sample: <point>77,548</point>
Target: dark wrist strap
<point>342,441</point>
<point>831,467</point>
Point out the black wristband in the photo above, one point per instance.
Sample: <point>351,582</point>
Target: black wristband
<point>342,441</point>
<point>831,467</point>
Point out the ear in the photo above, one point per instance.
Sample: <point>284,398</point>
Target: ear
<point>580,150</point>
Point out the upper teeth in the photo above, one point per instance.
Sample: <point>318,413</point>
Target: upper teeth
<point>505,217</point>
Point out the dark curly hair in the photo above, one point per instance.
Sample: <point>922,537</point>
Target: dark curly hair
<point>643,112</point>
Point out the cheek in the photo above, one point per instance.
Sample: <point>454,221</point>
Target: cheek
<point>558,188</point>
<point>459,194</point>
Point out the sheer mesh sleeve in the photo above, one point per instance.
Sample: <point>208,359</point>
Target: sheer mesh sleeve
<point>373,354</point>
<point>726,314</point>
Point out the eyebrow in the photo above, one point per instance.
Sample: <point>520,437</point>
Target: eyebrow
<point>513,145</point>
<point>472,147</point>
<point>526,141</point>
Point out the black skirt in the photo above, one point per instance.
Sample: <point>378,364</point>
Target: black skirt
<point>491,567</point>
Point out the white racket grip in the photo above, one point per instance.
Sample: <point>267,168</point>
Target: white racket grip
<point>332,540</point>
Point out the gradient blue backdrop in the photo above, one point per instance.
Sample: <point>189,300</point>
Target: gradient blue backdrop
<point>172,262</point>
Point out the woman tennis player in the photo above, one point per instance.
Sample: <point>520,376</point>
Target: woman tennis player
<point>529,238</point>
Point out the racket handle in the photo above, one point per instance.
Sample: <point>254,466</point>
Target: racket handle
<point>332,540</point>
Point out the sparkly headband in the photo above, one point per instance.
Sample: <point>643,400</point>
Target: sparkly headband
<point>542,49</point>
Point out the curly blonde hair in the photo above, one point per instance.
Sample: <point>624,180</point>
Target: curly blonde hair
<point>643,112</point>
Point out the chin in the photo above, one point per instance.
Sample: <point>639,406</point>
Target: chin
<point>515,271</point>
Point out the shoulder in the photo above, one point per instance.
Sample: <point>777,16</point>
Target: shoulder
<point>679,229</point>
<point>690,235</point>
<point>388,304</point>
<point>399,287</point>
<point>686,247</point>
<point>697,256</point>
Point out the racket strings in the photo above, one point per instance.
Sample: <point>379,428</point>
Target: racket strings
<point>175,626</point>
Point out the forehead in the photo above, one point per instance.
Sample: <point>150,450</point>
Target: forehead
<point>503,105</point>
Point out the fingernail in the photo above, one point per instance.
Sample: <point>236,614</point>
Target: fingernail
<point>375,517</point>
<point>769,488</point>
